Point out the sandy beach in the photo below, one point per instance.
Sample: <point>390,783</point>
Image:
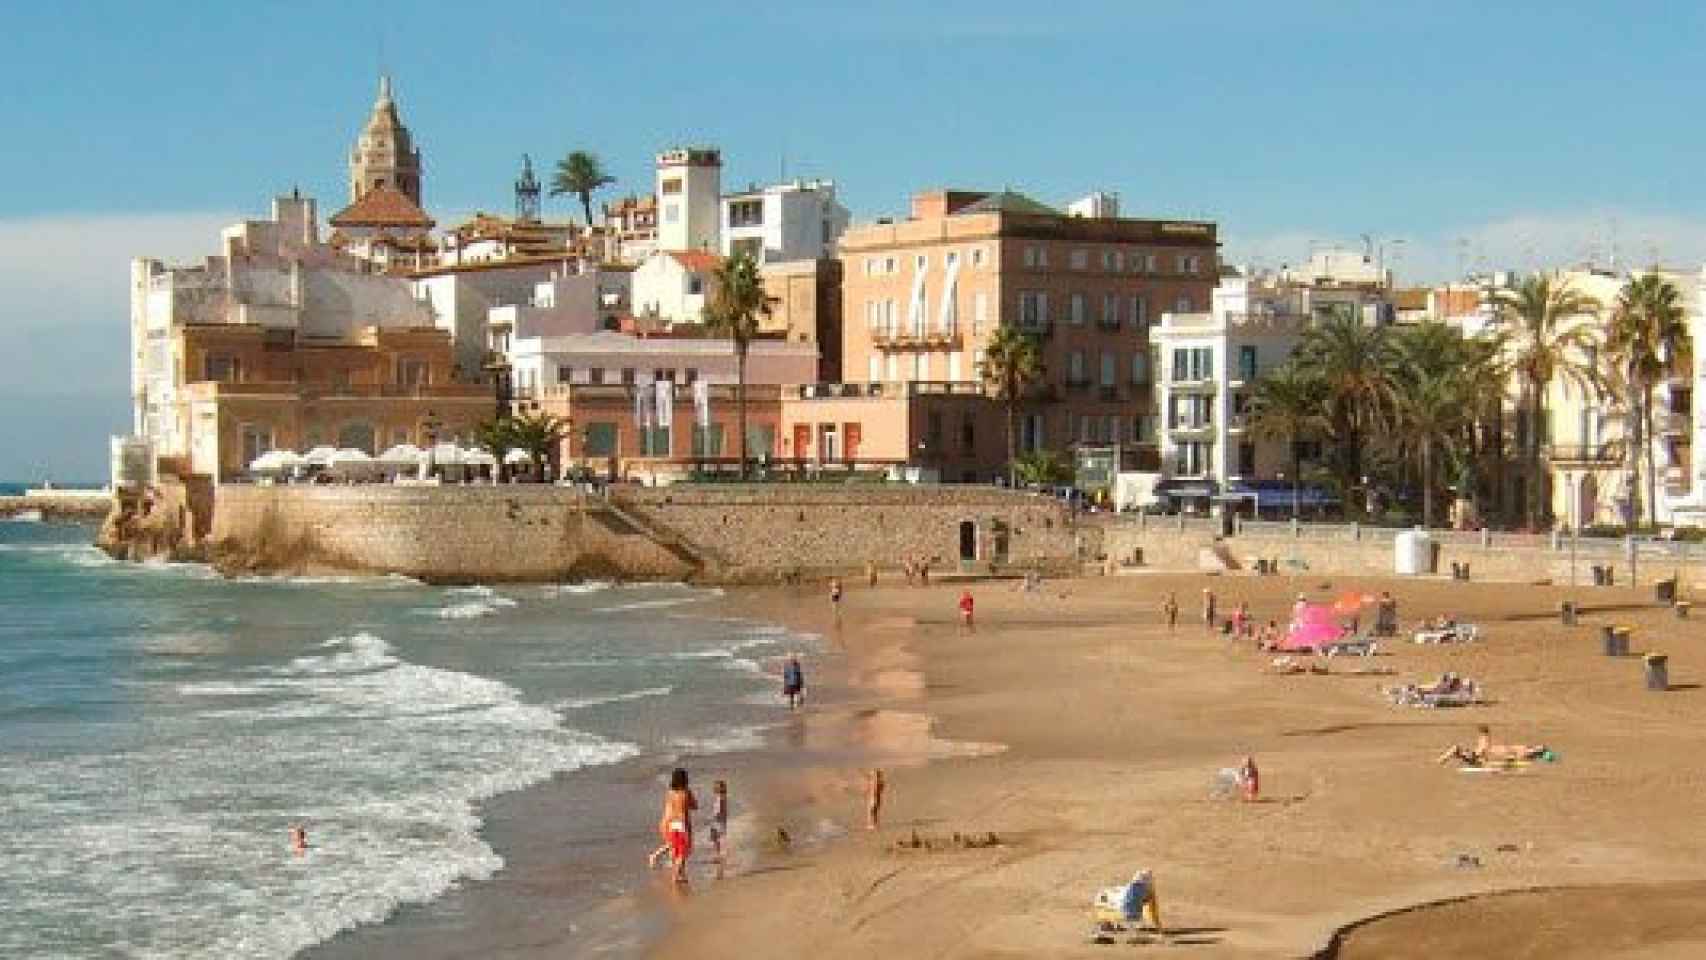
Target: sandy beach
<point>1081,733</point>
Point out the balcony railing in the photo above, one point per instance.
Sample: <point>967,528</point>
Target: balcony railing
<point>1111,324</point>
<point>1109,394</point>
<point>1674,422</point>
<point>913,339</point>
<point>1043,328</point>
<point>1579,453</point>
<point>1077,383</point>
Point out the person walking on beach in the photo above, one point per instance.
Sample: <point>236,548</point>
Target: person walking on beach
<point>1250,779</point>
<point>793,682</point>
<point>874,786</point>
<point>1170,611</point>
<point>871,572</point>
<point>835,596</point>
<point>1208,609</point>
<point>675,824</point>
<point>966,605</point>
<point>719,819</point>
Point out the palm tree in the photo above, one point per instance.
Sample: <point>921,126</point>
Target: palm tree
<point>1355,364</point>
<point>1546,340</point>
<point>1440,380</point>
<point>497,437</point>
<point>1286,405</point>
<point>1012,364</point>
<point>541,435</point>
<point>1648,338</point>
<point>737,304</point>
<point>578,175</point>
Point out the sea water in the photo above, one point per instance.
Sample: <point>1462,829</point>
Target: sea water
<point>162,728</point>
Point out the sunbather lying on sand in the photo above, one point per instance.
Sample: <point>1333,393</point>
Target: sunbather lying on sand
<point>1291,665</point>
<point>1486,751</point>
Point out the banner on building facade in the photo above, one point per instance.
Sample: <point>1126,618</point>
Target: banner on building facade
<point>665,391</point>
<point>642,406</point>
<point>702,403</point>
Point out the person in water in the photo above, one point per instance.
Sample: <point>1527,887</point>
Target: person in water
<point>298,839</point>
<point>675,824</point>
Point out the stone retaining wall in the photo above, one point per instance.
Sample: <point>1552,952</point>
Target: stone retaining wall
<point>521,532</point>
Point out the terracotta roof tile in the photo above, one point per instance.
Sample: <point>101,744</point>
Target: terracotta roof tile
<point>698,261</point>
<point>382,207</point>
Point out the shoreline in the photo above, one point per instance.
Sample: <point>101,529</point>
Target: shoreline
<point>566,892</point>
<point>1115,730</point>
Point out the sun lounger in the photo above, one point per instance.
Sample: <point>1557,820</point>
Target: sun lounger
<point>1456,633</point>
<point>1359,647</point>
<point>1462,693</point>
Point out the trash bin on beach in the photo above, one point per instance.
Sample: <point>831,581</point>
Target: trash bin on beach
<point>1658,671</point>
<point>1664,591</point>
<point>1567,613</point>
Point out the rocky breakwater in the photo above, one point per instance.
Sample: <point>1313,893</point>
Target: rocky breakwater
<point>70,506</point>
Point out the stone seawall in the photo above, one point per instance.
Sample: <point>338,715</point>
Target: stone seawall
<point>1499,558</point>
<point>541,533</point>
<point>80,507</point>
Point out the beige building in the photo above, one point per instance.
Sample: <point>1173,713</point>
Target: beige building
<point>922,296</point>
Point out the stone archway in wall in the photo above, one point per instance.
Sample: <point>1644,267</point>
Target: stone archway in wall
<point>358,434</point>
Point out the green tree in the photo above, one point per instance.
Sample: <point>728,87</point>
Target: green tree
<point>578,175</point>
<point>1012,364</point>
<point>497,437</point>
<point>1287,405</point>
<point>541,435</point>
<point>1440,381</point>
<point>1354,363</point>
<point>1041,468</point>
<point>1546,340</point>
<point>738,303</point>
<point>1648,338</point>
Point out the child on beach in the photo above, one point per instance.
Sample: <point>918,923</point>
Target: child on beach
<point>1170,611</point>
<point>1250,779</point>
<point>835,596</point>
<point>719,817</point>
<point>1241,620</point>
<point>966,604</point>
<point>675,824</point>
<point>874,786</point>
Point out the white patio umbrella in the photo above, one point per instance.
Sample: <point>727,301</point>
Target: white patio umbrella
<point>446,454</point>
<point>351,462</point>
<point>275,461</point>
<point>401,455</point>
<point>320,456</point>
<point>475,457</point>
<point>517,455</point>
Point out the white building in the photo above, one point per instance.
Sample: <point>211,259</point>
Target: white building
<point>1688,505</point>
<point>783,222</point>
<point>461,298</point>
<point>585,300</point>
<point>673,286</point>
<point>689,187</point>
<point>1208,364</point>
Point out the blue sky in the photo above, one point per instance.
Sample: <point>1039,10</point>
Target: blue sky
<point>1489,134</point>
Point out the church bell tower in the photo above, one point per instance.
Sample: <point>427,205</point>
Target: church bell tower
<point>385,154</point>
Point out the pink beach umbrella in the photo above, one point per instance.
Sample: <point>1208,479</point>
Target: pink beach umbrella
<point>1312,627</point>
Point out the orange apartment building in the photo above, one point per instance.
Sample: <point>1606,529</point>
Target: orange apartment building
<point>922,296</point>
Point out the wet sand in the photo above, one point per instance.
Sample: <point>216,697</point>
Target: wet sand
<point>1110,732</point>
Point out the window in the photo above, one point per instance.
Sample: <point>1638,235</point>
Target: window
<point>708,440</point>
<point>921,366</point>
<point>979,312</point>
<point>968,433</point>
<point>595,375</point>
<point>222,368</point>
<point>1110,364</point>
<point>1079,259</point>
<point>670,187</point>
<point>1247,362</point>
<point>414,373</point>
<point>1110,311</point>
<point>752,247</point>
<point>654,442</point>
<point>1031,433</point>
<point>1151,263</point>
<point>954,366</point>
<point>1180,263</point>
<point>888,265</point>
<point>1140,367</point>
<point>893,373</point>
<point>1075,367</point>
<point>1191,459</point>
<point>1033,309</point>
<point>695,285</point>
<point>692,374</point>
<point>874,370</point>
<point>746,213</point>
<point>760,440</point>
<point>256,441</point>
<point>1183,304</point>
<point>1110,260</point>
<point>977,256</point>
<point>1193,363</point>
<point>950,258</point>
<point>600,440</point>
<point>1036,256</point>
<point>628,376</point>
<point>1139,313</point>
<point>921,262</point>
<point>1076,306</point>
<point>667,374</point>
<point>672,213</point>
<point>565,373</point>
<point>870,266</point>
<point>1246,459</point>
